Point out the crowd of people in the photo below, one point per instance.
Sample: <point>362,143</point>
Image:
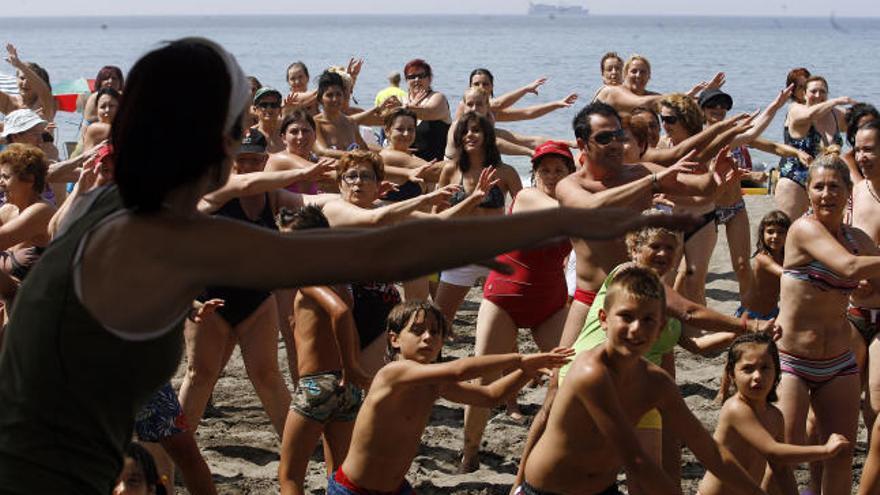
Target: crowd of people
<point>183,233</point>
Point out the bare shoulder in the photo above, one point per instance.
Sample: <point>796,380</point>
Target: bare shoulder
<point>569,189</point>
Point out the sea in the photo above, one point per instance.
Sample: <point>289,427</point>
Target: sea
<point>754,52</point>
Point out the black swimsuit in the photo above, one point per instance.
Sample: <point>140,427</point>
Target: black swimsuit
<point>493,199</point>
<point>240,303</point>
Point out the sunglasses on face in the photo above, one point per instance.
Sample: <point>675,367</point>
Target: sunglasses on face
<point>606,137</point>
<point>355,178</point>
<point>268,104</point>
<point>418,75</point>
<point>715,104</point>
<point>669,119</point>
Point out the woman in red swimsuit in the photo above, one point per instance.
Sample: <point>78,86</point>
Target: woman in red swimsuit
<point>534,296</point>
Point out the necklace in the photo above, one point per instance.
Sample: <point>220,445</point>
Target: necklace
<point>871,190</point>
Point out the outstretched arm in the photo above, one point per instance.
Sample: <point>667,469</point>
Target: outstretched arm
<point>35,82</point>
<point>403,252</point>
<point>508,99</point>
<point>802,116</point>
<point>505,388</point>
<point>251,183</point>
<point>534,111</point>
<point>716,458</point>
<point>760,123</point>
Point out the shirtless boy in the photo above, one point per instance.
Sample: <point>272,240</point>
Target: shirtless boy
<point>590,433</point>
<point>331,381</point>
<point>389,428</point>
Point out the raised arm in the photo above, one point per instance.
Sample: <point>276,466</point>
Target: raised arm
<point>252,183</point>
<point>434,107</point>
<point>802,116</point>
<point>760,123</point>
<point>35,82</point>
<point>668,156</point>
<point>344,214</point>
<point>717,459</point>
<point>403,252</point>
<point>780,149</point>
<point>508,99</point>
<point>534,111</point>
<point>749,427</point>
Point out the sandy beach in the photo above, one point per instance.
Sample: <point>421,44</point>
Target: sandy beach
<point>242,449</point>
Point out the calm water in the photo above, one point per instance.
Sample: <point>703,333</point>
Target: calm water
<point>755,53</point>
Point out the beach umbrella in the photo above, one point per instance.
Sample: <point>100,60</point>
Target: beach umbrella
<point>67,92</point>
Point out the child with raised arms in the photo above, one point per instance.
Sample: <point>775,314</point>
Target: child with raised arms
<point>331,384</point>
<point>752,428</point>
<point>590,432</point>
<point>389,428</point>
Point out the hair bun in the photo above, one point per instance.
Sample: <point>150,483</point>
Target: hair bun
<point>831,151</point>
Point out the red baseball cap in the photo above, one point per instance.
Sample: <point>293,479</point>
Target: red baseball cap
<point>552,148</point>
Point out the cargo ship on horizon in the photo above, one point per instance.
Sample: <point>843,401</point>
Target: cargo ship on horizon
<point>557,9</point>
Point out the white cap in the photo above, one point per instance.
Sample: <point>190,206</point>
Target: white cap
<point>20,121</point>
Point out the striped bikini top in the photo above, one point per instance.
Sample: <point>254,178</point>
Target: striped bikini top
<point>822,277</point>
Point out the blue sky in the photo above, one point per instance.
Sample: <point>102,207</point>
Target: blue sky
<point>14,8</point>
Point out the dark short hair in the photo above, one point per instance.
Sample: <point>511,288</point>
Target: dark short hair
<point>581,123</point>
<point>298,115</point>
<point>792,77</point>
<point>107,72</point>
<point>606,57</point>
<point>481,71</point>
<point>40,72</point>
<point>297,64</point>
<point>853,115</point>
<point>403,313</point>
<point>151,159</point>
<point>109,92</point>
<point>493,156</point>
<point>392,115</point>
<point>144,459</point>
<point>734,353</point>
<point>327,80</point>
<point>305,218</point>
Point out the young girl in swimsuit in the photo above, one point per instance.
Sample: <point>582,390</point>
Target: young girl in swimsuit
<point>761,301</point>
<point>752,428</point>
<point>824,262</point>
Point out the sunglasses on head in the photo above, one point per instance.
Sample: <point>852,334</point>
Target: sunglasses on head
<point>669,119</point>
<point>269,104</point>
<point>606,137</point>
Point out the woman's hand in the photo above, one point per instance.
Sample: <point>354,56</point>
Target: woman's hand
<point>324,169</point>
<point>429,172</point>
<point>201,310</point>
<point>12,55</point>
<point>441,196</point>
<point>354,67</point>
<point>533,88</point>
<point>568,101</point>
<point>488,179</point>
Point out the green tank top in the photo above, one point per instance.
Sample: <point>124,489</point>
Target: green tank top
<point>69,388</point>
<point>592,335</point>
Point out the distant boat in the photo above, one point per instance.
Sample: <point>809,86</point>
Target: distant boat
<point>557,9</point>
